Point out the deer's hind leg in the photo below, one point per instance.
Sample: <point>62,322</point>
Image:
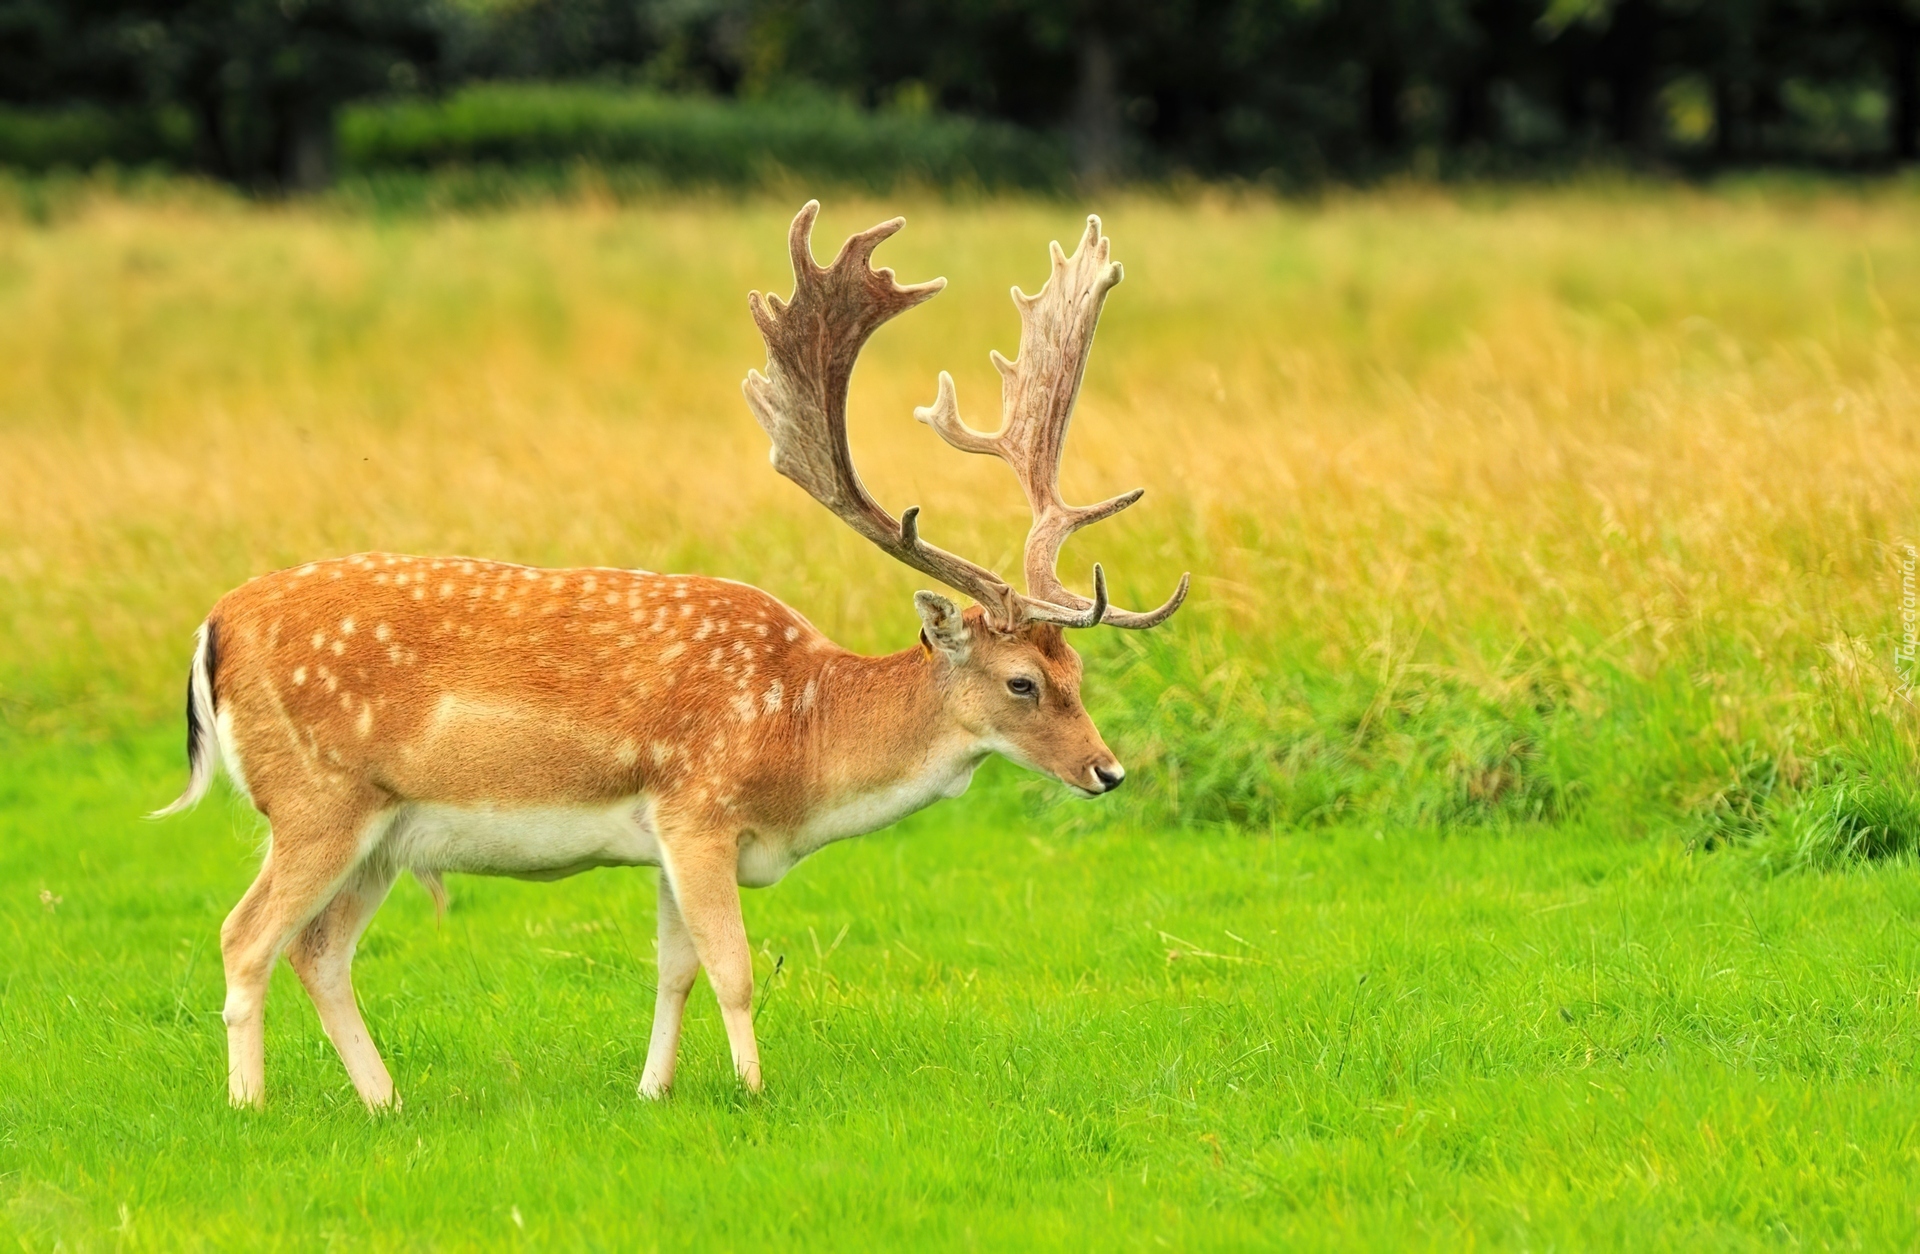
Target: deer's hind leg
<point>322,955</point>
<point>679,963</point>
<point>315,848</point>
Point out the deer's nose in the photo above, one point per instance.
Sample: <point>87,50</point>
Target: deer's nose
<point>1110,776</point>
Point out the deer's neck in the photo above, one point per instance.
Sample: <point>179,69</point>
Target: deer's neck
<point>883,744</point>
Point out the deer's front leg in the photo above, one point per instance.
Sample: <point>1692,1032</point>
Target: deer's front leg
<point>678,963</point>
<point>703,868</point>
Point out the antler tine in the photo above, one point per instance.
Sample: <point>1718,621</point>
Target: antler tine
<point>813,340</point>
<point>1038,391</point>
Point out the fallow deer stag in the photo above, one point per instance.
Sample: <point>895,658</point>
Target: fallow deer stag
<point>391,713</point>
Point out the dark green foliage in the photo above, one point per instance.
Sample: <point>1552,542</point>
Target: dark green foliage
<point>83,136</point>
<point>258,80</point>
<point>1286,93</point>
<point>685,140</point>
<point>1350,87</point>
<point>263,78</point>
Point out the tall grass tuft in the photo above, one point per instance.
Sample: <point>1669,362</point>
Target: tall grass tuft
<point>1859,802</point>
<point>1854,819</point>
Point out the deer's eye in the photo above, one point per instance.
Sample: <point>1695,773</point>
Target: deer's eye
<point>1021,686</point>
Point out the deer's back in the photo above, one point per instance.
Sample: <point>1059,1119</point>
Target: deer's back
<point>459,680</point>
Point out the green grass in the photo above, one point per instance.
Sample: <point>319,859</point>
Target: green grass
<point>986,1030</point>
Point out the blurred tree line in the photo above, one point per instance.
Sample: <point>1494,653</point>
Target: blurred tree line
<point>1295,89</point>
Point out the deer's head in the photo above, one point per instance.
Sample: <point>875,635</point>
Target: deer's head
<point>1018,693</point>
<point>1009,675</point>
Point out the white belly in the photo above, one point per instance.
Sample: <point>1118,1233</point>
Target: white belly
<point>534,843</point>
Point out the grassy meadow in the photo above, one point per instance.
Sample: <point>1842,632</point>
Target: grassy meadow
<point>1518,849</point>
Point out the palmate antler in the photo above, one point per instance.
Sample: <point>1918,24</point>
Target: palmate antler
<point>801,403</point>
<point>1037,394</point>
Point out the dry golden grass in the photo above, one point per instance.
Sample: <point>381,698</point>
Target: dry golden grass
<point>1637,429</point>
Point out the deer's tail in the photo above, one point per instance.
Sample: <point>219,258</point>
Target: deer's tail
<point>202,753</point>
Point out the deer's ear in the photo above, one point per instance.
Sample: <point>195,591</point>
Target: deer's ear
<point>942,627</point>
